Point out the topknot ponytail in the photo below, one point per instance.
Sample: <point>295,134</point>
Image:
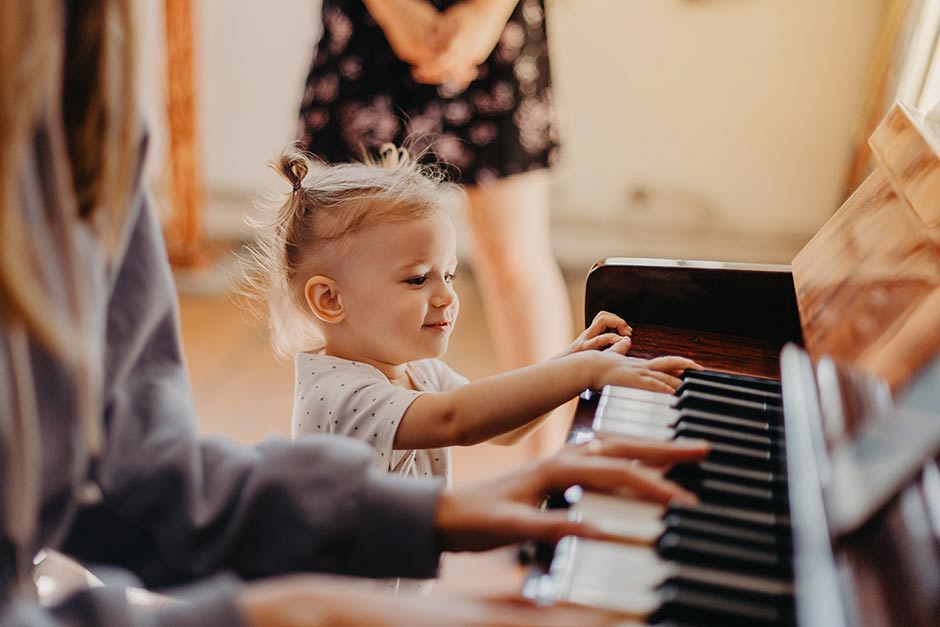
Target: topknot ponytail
<point>293,164</point>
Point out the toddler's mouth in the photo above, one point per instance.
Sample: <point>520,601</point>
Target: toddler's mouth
<point>441,325</point>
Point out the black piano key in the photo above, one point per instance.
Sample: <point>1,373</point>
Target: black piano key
<point>725,405</point>
<point>743,424</point>
<point>744,476</point>
<point>708,407</point>
<point>644,412</point>
<point>723,532</point>
<point>770,587</point>
<point>769,521</point>
<point>684,603</point>
<point>730,436</point>
<point>729,390</point>
<point>688,549</point>
<point>771,385</point>
<point>748,457</point>
<point>720,492</point>
<point>747,478</point>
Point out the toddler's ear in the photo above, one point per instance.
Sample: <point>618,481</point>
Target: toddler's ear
<point>322,294</point>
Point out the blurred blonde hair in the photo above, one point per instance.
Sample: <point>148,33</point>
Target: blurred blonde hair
<point>66,68</point>
<point>299,235</point>
<point>68,120</point>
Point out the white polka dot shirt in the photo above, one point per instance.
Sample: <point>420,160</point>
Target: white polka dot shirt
<point>343,397</point>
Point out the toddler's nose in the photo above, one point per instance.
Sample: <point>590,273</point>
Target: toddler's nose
<point>445,296</point>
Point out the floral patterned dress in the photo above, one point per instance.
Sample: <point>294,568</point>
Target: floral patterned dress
<point>359,95</point>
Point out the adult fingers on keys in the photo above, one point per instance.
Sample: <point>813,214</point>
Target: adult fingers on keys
<point>610,473</point>
<point>672,364</point>
<point>648,452</point>
<point>516,523</point>
<point>520,612</point>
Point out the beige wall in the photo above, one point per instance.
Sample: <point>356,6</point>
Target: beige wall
<point>695,128</point>
<point>732,118</point>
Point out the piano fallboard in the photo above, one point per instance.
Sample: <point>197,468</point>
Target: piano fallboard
<point>726,316</point>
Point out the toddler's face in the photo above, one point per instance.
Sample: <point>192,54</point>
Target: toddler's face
<point>397,291</point>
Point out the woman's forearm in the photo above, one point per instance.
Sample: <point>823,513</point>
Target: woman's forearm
<point>383,11</point>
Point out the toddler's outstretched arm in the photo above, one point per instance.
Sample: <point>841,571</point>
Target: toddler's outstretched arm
<point>490,407</point>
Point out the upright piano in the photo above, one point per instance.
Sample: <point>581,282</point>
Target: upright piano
<point>820,498</point>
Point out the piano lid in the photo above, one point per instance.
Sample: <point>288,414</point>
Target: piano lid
<point>868,283</point>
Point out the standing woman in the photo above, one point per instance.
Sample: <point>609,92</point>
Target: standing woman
<point>469,81</point>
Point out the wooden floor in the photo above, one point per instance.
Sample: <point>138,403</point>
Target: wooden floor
<point>243,392</point>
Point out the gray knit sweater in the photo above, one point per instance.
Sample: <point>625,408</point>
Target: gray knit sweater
<point>174,509</point>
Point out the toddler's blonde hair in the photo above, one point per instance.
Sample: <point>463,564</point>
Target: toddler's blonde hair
<point>296,236</point>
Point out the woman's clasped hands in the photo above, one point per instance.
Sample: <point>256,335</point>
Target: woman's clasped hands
<point>442,47</point>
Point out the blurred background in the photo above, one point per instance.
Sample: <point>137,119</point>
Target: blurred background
<point>699,129</point>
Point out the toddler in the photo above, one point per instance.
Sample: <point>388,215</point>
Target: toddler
<point>357,268</point>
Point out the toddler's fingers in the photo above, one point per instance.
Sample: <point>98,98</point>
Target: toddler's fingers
<point>603,341</point>
<point>672,363</point>
<point>667,379</point>
<point>605,320</point>
<point>647,382</point>
<point>621,346</point>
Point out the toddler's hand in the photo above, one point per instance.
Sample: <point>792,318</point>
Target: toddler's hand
<point>657,375</point>
<point>606,331</point>
<point>669,364</point>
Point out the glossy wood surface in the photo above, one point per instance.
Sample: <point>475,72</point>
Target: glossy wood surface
<point>732,317</point>
<point>868,283</point>
<point>714,351</point>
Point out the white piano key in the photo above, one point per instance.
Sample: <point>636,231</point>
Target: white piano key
<point>653,418</point>
<point>616,391</point>
<point>626,561</point>
<point>640,430</point>
<point>629,520</point>
<point>608,575</point>
<point>608,402</point>
<point>620,577</point>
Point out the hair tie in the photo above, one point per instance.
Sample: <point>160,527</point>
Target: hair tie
<point>297,186</point>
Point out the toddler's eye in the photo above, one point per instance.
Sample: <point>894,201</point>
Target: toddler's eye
<point>418,280</point>
<point>449,278</point>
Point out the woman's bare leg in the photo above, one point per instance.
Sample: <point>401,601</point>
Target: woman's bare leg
<point>524,293</point>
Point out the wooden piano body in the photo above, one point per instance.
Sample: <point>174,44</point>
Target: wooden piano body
<point>863,300</point>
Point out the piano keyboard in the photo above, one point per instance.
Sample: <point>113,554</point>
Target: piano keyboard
<point>725,561</point>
